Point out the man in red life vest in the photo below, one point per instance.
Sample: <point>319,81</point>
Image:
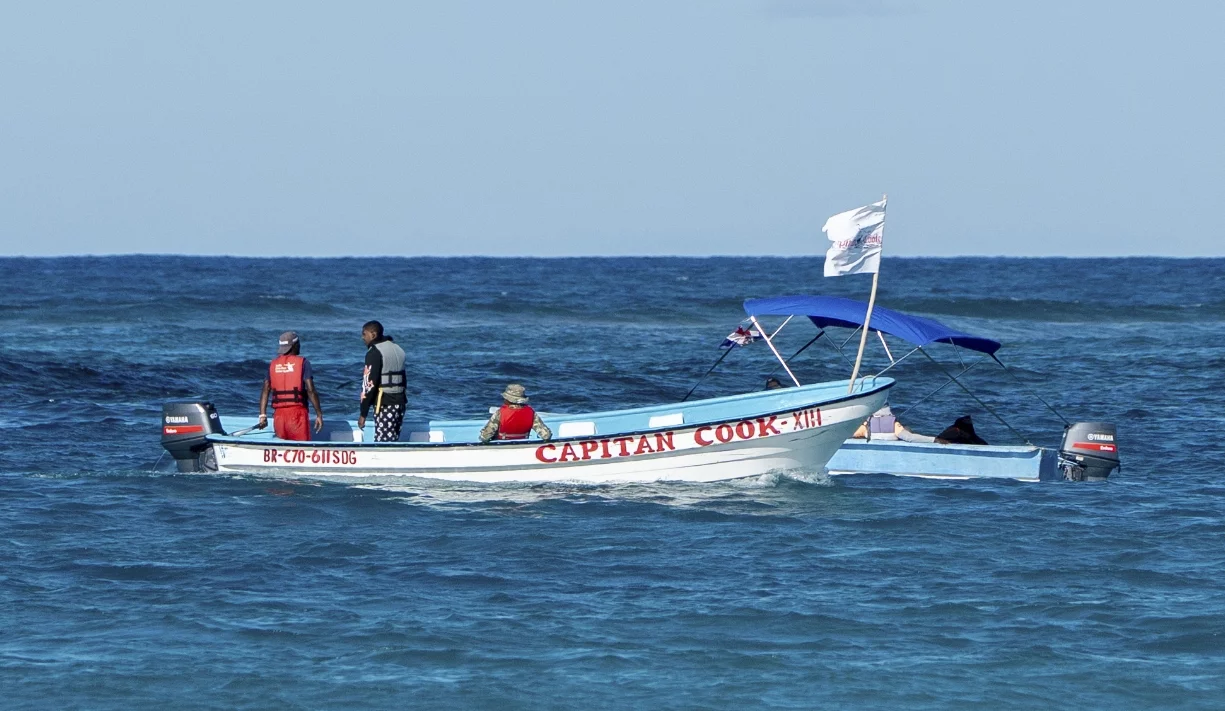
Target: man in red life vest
<point>515,419</point>
<point>289,382</point>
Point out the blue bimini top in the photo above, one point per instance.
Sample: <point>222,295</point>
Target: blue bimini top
<point>849,313</point>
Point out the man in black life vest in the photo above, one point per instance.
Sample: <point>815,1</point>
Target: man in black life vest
<point>290,383</point>
<point>515,419</point>
<point>383,384</point>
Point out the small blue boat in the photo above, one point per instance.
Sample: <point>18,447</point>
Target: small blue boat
<point>1089,450</point>
<point>946,461</point>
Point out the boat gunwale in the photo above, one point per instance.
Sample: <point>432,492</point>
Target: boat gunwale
<point>231,440</point>
<point>951,448</point>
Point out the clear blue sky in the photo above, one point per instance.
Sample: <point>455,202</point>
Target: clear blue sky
<point>575,128</point>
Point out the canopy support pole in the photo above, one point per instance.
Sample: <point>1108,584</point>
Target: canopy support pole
<point>896,362</point>
<point>776,353</point>
<point>976,398</point>
<point>801,350</point>
<point>712,369</point>
<point>863,336</point>
<point>963,360</point>
<point>837,349</point>
<point>886,347</point>
<point>780,328</point>
<point>943,385</point>
<point>1031,392</point>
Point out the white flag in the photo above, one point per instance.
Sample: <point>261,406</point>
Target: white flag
<point>856,236</point>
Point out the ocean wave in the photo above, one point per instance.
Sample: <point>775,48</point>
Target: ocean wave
<point>147,587</point>
<point>1057,311</point>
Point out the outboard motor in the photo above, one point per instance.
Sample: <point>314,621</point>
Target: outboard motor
<point>186,425</point>
<point>1089,451</point>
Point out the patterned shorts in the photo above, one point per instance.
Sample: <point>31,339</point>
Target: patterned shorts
<point>387,423</point>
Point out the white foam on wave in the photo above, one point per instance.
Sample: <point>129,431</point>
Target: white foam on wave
<point>764,489</point>
<point>780,478</point>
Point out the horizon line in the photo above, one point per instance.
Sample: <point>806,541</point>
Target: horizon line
<point>117,255</point>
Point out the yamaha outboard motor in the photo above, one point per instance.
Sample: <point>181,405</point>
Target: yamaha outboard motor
<point>1089,451</point>
<point>186,425</point>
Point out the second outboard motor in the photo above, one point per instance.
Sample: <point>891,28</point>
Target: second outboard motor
<point>1089,451</point>
<point>186,425</point>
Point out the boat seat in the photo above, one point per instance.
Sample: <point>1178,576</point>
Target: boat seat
<point>669,420</point>
<point>576,429</point>
<point>336,432</point>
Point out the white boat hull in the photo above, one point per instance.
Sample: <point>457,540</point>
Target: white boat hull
<point>795,439</point>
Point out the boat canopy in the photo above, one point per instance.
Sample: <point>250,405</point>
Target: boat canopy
<point>826,311</point>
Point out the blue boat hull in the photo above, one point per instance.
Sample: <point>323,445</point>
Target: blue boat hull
<point>945,461</point>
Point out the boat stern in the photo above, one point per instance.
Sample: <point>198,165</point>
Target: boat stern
<point>1089,452</point>
<point>186,425</point>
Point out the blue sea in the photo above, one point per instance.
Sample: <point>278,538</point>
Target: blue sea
<point>125,585</point>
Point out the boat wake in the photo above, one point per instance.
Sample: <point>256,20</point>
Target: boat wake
<point>782,478</point>
<point>769,490</point>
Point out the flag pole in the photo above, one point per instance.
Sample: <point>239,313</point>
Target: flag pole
<point>867,319</point>
<point>863,336</point>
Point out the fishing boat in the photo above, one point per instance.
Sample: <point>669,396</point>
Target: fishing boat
<point>1089,450</point>
<point>804,427</point>
<point>707,440</point>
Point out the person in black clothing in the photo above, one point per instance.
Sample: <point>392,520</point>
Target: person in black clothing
<point>961,432</point>
<point>383,383</point>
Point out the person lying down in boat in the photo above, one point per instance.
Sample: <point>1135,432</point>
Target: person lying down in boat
<point>960,432</point>
<point>884,426</point>
<point>515,419</point>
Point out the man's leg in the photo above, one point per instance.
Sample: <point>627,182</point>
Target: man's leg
<point>388,422</point>
<point>398,423</point>
<point>292,423</point>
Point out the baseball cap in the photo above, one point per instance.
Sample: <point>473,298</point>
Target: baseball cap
<point>287,342</point>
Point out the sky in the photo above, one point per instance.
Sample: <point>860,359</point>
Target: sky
<point>573,128</point>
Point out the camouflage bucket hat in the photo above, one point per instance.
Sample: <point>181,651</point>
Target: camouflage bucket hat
<point>514,393</point>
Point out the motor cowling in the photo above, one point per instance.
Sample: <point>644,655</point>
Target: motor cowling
<point>1089,452</point>
<point>186,425</point>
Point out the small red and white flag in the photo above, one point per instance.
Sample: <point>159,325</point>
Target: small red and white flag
<point>741,337</point>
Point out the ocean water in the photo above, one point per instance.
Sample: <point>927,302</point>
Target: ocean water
<point>124,585</point>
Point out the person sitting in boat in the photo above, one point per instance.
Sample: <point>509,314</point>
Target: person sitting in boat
<point>773,383</point>
<point>515,419</point>
<point>883,425</point>
<point>290,383</point>
<point>960,432</point>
